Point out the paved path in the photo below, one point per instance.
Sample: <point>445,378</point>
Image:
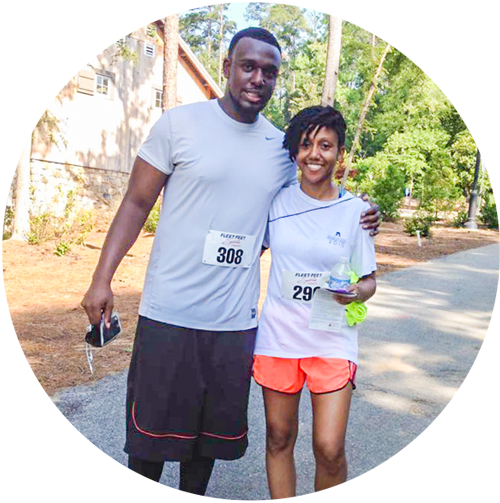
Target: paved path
<point>424,329</point>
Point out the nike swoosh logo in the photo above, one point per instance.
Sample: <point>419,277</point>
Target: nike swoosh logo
<point>269,137</point>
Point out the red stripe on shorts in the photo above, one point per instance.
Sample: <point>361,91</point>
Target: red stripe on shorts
<point>159,435</point>
<point>224,437</point>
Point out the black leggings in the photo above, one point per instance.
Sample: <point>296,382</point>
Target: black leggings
<point>194,474</point>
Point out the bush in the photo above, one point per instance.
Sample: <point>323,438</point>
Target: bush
<point>460,219</point>
<point>489,215</point>
<point>62,248</point>
<point>153,218</point>
<point>420,221</point>
<point>7,222</point>
<point>43,227</point>
<point>387,192</point>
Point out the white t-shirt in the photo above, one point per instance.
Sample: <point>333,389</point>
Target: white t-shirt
<point>308,236</point>
<point>204,267</point>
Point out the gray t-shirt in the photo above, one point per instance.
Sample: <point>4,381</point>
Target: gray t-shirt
<point>204,267</point>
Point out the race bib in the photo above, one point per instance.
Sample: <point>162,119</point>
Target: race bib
<point>300,286</point>
<point>226,249</point>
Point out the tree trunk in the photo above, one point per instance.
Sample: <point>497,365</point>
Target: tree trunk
<point>332,61</point>
<point>21,224</point>
<point>364,112</point>
<point>221,42</point>
<point>170,60</point>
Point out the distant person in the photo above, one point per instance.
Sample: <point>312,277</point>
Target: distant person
<point>311,226</point>
<point>220,163</point>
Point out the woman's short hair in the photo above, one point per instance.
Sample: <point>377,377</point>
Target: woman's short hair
<point>307,120</point>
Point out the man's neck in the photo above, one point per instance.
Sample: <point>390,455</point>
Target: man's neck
<point>227,104</point>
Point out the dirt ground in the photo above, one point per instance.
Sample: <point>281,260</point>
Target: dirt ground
<point>44,293</point>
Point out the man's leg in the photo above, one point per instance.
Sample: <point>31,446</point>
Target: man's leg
<point>195,474</point>
<point>143,478</point>
<point>330,417</point>
<point>282,413</point>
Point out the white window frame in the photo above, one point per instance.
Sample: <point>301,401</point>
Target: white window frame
<point>120,21</point>
<point>103,82</point>
<point>152,52</point>
<point>158,97</point>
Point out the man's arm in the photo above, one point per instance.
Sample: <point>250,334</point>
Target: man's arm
<point>144,186</point>
<point>370,219</point>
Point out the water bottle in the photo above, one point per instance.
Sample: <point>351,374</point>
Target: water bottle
<point>340,276</point>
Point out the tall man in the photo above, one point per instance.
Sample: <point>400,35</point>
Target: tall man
<point>220,164</point>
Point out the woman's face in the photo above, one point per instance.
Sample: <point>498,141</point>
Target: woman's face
<point>318,155</point>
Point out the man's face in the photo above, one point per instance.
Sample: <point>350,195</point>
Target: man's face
<point>251,71</point>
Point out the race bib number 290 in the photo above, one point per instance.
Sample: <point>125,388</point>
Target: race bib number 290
<point>227,249</point>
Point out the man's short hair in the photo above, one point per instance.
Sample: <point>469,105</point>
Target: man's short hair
<point>256,33</point>
<point>307,120</point>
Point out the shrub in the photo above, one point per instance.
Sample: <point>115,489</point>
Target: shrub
<point>489,215</point>
<point>42,228</point>
<point>388,191</point>
<point>153,218</point>
<point>420,221</point>
<point>7,222</point>
<point>62,248</point>
<point>460,219</point>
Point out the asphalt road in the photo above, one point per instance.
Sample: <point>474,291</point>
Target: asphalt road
<point>424,329</point>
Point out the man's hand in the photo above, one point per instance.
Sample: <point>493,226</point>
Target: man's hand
<point>370,219</point>
<point>99,301</point>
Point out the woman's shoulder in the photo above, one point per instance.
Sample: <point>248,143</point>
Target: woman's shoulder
<point>282,200</point>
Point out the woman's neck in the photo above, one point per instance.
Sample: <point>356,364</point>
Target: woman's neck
<point>324,192</point>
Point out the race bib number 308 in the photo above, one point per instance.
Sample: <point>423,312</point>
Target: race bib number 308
<point>225,249</point>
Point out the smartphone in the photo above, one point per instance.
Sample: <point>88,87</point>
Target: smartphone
<point>99,335</point>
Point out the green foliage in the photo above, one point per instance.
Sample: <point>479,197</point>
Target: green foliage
<point>153,218</point>
<point>72,227</point>
<point>460,219</point>
<point>42,228</point>
<point>125,52</point>
<point>421,221</point>
<point>62,248</point>
<point>489,214</point>
<point>7,222</point>
<point>201,29</point>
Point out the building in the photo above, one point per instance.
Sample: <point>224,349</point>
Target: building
<point>102,116</point>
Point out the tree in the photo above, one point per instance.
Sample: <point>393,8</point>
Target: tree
<point>206,30</point>
<point>364,112</point>
<point>21,22</point>
<point>170,61</point>
<point>292,28</point>
<point>21,225</point>
<point>332,61</point>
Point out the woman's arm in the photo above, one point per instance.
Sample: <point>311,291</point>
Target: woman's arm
<point>364,289</point>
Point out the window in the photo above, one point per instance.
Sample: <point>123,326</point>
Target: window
<point>120,21</point>
<point>102,85</point>
<point>149,50</point>
<point>151,31</point>
<point>158,98</point>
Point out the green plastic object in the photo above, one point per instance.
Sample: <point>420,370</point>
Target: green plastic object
<point>355,312</point>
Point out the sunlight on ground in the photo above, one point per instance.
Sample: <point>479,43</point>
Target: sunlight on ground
<point>390,402</point>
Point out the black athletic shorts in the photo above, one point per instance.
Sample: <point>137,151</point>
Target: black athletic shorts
<point>187,392</point>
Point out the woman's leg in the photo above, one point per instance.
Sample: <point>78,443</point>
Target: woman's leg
<point>330,416</point>
<point>281,434</point>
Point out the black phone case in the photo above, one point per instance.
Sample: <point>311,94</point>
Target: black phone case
<point>98,335</point>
